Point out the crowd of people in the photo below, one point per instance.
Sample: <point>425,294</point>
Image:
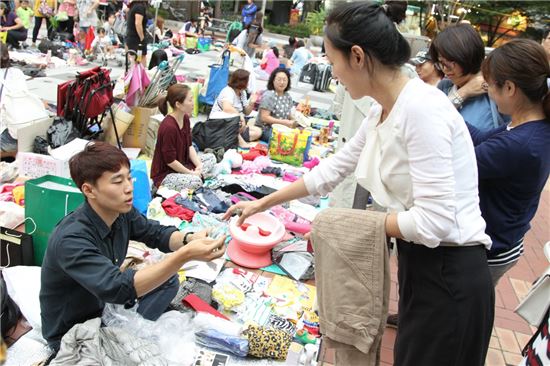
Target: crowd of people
<point>458,158</point>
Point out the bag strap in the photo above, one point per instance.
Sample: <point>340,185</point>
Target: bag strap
<point>3,81</point>
<point>280,151</point>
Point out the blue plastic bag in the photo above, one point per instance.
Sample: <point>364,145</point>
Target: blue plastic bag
<point>219,75</point>
<point>142,188</point>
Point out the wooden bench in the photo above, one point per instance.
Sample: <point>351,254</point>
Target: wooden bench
<point>219,26</point>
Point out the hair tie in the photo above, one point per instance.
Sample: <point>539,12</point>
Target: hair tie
<point>385,8</point>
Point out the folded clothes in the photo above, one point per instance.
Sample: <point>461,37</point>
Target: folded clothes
<point>173,209</point>
<point>187,203</point>
<point>222,342</point>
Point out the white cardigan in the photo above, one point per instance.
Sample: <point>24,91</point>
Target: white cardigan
<point>420,162</point>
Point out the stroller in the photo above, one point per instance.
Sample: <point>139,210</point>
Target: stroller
<point>86,100</point>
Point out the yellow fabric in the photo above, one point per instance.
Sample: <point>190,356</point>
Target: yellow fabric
<point>18,194</point>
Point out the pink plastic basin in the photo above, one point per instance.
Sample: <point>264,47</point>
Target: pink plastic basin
<point>250,249</point>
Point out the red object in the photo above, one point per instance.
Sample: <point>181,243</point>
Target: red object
<point>200,306</point>
<point>254,152</point>
<point>84,94</point>
<point>90,35</point>
<point>261,231</point>
<point>173,209</point>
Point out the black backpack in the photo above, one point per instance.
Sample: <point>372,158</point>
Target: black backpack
<point>10,312</point>
<point>309,73</point>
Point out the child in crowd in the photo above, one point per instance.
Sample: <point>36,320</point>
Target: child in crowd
<point>103,44</point>
<point>25,13</point>
<point>109,29</point>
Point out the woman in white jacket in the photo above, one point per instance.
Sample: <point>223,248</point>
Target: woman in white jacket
<point>413,153</point>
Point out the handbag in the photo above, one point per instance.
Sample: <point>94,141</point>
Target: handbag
<point>216,133</point>
<point>219,75</point>
<point>15,248</point>
<point>45,9</point>
<point>537,301</point>
<point>62,16</point>
<point>288,145</point>
<point>48,199</point>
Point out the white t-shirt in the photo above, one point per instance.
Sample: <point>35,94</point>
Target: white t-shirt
<point>240,40</point>
<point>16,81</point>
<point>419,163</point>
<point>228,94</point>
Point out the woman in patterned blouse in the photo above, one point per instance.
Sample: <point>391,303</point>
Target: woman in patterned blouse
<point>276,105</point>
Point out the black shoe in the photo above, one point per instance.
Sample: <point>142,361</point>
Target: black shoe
<point>392,320</point>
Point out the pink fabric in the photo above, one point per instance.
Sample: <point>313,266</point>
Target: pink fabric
<point>137,81</point>
<point>68,7</point>
<point>255,166</point>
<point>272,62</point>
<point>311,163</point>
<point>6,190</point>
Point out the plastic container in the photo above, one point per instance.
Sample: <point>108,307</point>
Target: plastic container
<point>251,243</point>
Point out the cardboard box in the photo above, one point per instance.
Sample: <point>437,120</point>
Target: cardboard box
<point>37,165</point>
<point>136,134</point>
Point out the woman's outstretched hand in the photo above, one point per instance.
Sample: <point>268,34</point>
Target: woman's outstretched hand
<point>244,210</point>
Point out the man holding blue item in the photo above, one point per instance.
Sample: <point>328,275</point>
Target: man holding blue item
<point>249,12</point>
<point>81,269</point>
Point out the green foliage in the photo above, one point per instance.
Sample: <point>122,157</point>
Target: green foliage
<point>300,30</point>
<point>315,21</point>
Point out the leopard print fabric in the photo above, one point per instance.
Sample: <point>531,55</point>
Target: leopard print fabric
<point>267,343</point>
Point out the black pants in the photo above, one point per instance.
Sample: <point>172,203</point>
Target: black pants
<point>446,306</point>
<point>67,26</point>
<point>38,24</point>
<point>15,36</point>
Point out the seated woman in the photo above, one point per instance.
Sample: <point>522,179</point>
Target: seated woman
<point>513,160</point>
<point>232,100</point>
<point>176,164</point>
<point>10,22</point>
<point>276,105</point>
<point>269,63</point>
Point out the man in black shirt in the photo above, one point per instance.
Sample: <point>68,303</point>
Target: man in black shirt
<point>81,269</point>
<point>136,28</point>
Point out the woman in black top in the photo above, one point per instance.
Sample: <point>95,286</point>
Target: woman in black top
<point>137,25</point>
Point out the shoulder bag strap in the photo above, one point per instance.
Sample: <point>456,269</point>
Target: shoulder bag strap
<point>3,81</point>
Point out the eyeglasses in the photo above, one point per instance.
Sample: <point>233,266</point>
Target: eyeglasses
<point>442,65</point>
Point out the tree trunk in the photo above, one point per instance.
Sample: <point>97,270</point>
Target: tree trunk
<point>218,9</point>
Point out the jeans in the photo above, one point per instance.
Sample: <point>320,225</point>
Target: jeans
<point>155,303</point>
<point>7,143</point>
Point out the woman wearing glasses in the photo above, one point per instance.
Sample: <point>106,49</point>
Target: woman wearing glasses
<point>414,154</point>
<point>458,51</point>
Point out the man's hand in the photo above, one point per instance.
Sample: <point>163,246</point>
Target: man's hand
<point>205,249</point>
<point>200,235</point>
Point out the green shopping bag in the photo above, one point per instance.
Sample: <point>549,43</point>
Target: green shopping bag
<point>48,199</point>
